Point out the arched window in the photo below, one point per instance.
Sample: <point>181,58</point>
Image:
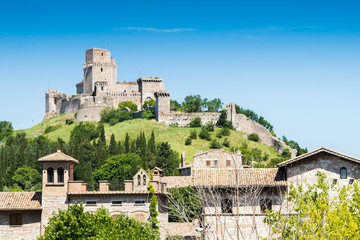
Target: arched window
<point>343,173</point>
<point>139,180</point>
<point>50,175</point>
<point>60,173</point>
<point>144,180</point>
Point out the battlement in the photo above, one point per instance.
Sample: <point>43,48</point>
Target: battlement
<point>150,79</point>
<point>127,83</point>
<point>162,94</point>
<point>97,55</point>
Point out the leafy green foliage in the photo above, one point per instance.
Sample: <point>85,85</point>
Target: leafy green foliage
<point>69,121</point>
<point>149,103</point>
<point>223,122</point>
<point>184,205</point>
<point>253,137</point>
<point>27,178</point>
<point>188,141</point>
<point>132,106</point>
<point>225,131</point>
<point>148,114</point>
<point>294,145</point>
<point>251,156</point>
<point>192,103</point>
<point>196,122</point>
<point>286,154</point>
<point>75,223</point>
<point>213,105</point>
<point>6,129</point>
<point>175,106</point>
<point>204,133</point>
<point>153,208</point>
<point>113,116</point>
<point>317,214</point>
<point>210,126</point>
<point>214,144</point>
<point>52,128</point>
<point>226,142</point>
<point>193,134</point>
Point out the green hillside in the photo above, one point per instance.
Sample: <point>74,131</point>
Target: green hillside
<point>174,135</point>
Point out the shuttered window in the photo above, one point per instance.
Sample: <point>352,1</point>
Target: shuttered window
<point>16,219</point>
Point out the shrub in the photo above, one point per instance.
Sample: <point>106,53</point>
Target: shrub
<point>219,134</point>
<point>286,153</point>
<point>52,128</point>
<point>69,121</point>
<point>223,122</point>
<point>225,131</point>
<point>226,142</point>
<point>204,134</point>
<point>188,141</point>
<point>196,122</point>
<point>113,116</point>
<point>214,144</point>
<point>149,103</point>
<point>174,124</point>
<point>254,137</point>
<point>132,106</point>
<point>148,114</point>
<point>210,126</point>
<point>193,134</point>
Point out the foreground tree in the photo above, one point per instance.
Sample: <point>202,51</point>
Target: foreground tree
<point>319,211</point>
<point>74,223</point>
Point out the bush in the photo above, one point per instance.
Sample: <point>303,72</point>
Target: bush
<point>148,114</point>
<point>132,106</point>
<point>226,142</point>
<point>254,137</point>
<point>196,122</point>
<point>113,116</point>
<point>210,126</point>
<point>193,134</point>
<point>225,131</point>
<point>6,129</point>
<point>174,125</point>
<point>52,128</point>
<point>188,141</point>
<point>214,144</point>
<point>204,134</point>
<point>219,134</point>
<point>69,121</point>
<point>149,103</point>
<point>286,153</point>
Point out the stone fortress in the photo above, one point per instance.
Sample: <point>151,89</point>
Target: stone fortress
<point>100,89</point>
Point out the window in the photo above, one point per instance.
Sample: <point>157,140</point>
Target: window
<point>343,173</point>
<point>16,219</point>
<point>215,162</point>
<point>265,204</point>
<point>139,180</point>
<point>116,202</point>
<point>226,206</point>
<point>91,202</point>
<point>60,173</point>
<point>101,69</point>
<point>144,180</point>
<point>207,163</point>
<point>228,163</point>
<point>102,88</point>
<point>139,202</point>
<point>50,175</point>
<point>351,181</point>
<point>102,54</point>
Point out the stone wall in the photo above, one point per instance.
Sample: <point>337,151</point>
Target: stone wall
<point>177,181</point>
<point>30,229</point>
<point>50,205</point>
<point>184,119</point>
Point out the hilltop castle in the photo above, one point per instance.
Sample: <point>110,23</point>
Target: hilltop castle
<point>100,89</point>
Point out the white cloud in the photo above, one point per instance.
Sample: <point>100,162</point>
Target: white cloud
<point>151,29</point>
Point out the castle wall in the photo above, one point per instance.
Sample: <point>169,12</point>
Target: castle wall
<point>126,87</point>
<point>184,119</point>
<point>30,229</point>
<point>149,86</point>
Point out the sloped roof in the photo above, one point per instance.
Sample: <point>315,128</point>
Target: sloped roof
<point>20,200</point>
<point>116,193</point>
<point>319,150</point>
<point>239,177</point>
<point>58,156</point>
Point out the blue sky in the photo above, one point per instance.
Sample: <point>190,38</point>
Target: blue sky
<point>297,63</point>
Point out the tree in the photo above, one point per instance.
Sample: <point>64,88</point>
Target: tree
<point>214,105</point>
<point>28,178</point>
<point>253,137</point>
<point>6,129</point>
<point>149,103</point>
<point>75,223</point>
<point>192,103</point>
<point>175,106</point>
<point>132,106</point>
<point>319,211</point>
<point>223,122</point>
<point>113,148</point>
<point>153,208</point>
<point>196,122</point>
<point>148,114</point>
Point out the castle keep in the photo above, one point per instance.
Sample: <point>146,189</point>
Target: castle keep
<point>100,89</point>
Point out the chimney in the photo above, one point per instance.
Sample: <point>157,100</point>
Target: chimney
<point>183,159</point>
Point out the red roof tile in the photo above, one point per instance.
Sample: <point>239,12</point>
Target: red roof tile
<point>20,200</point>
<point>58,156</point>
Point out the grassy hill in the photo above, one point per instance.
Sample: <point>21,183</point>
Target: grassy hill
<point>174,135</point>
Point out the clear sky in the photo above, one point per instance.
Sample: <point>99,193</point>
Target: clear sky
<point>296,63</point>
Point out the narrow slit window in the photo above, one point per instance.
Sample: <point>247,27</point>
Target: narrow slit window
<point>139,202</point>
<point>343,173</point>
<point>139,180</point>
<point>91,202</point>
<point>144,180</point>
<point>116,202</point>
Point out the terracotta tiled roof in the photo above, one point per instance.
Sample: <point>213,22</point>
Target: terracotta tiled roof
<point>58,156</point>
<point>20,200</point>
<point>112,193</point>
<point>319,150</point>
<point>239,177</point>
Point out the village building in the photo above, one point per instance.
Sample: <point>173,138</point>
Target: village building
<point>24,215</point>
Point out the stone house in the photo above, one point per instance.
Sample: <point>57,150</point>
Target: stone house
<point>24,215</point>
<point>235,197</point>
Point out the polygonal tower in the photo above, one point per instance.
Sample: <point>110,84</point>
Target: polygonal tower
<point>99,66</point>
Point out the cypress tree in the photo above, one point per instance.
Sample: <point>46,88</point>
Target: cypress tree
<point>113,147</point>
<point>120,148</point>
<point>127,143</point>
<point>133,147</point>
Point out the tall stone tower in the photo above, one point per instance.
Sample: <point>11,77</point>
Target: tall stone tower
<point>57,172</point>
<point>162,107</point>
<point>99,66</point>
